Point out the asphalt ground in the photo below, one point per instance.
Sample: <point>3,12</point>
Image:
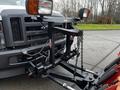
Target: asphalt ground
<point>100,48</point>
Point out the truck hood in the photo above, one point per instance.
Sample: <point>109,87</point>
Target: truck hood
<point>4,7</point>
<point>56,16</point>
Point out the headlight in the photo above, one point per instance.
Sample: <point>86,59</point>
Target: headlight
<point>2,41</point>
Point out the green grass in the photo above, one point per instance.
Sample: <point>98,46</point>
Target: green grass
<point>98,26</point>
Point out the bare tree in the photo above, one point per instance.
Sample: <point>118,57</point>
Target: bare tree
<point>102,3</point>
<point>103,8</point>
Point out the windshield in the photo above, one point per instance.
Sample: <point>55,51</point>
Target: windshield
<point>12,2</point>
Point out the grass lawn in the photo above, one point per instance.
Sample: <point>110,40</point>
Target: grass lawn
<point>98,26</point>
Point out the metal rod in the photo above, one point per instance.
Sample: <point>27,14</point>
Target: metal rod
<point>80,83</point>
<point>70,69</point>
<point>61,84</point>
<point>83,69</point>
<point>82,66</point>
<point>51,42</point>
<point>68,44</point>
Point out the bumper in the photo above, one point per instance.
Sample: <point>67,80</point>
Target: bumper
<point>9,60</point>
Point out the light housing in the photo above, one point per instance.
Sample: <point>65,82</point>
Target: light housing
<point>84,13</point>
<point>39,7</point>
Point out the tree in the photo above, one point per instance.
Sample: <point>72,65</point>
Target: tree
<point>103,8</point>
<point>102,4</point>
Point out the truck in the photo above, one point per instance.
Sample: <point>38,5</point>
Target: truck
<point>33,43</point>
<point>23,37</point>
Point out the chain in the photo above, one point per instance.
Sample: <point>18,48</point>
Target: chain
<point>77,57</point>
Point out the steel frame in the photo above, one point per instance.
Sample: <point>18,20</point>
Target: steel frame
<point>62,61</point>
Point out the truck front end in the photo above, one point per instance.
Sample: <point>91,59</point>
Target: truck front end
<point>23,37</point>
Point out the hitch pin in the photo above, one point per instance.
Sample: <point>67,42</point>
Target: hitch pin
<point>68,87</point>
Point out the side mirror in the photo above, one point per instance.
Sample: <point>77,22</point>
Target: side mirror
<point>84,13</point>
<point>39,7</point>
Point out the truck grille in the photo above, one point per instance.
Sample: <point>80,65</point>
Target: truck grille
<point>35,33</point>
<point>22,30</point>
<point>16,28</point>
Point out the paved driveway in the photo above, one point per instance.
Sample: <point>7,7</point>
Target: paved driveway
<point>100,48</point>
<point>25,83</point>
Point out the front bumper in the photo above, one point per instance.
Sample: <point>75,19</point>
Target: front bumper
<point>9,63</point>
